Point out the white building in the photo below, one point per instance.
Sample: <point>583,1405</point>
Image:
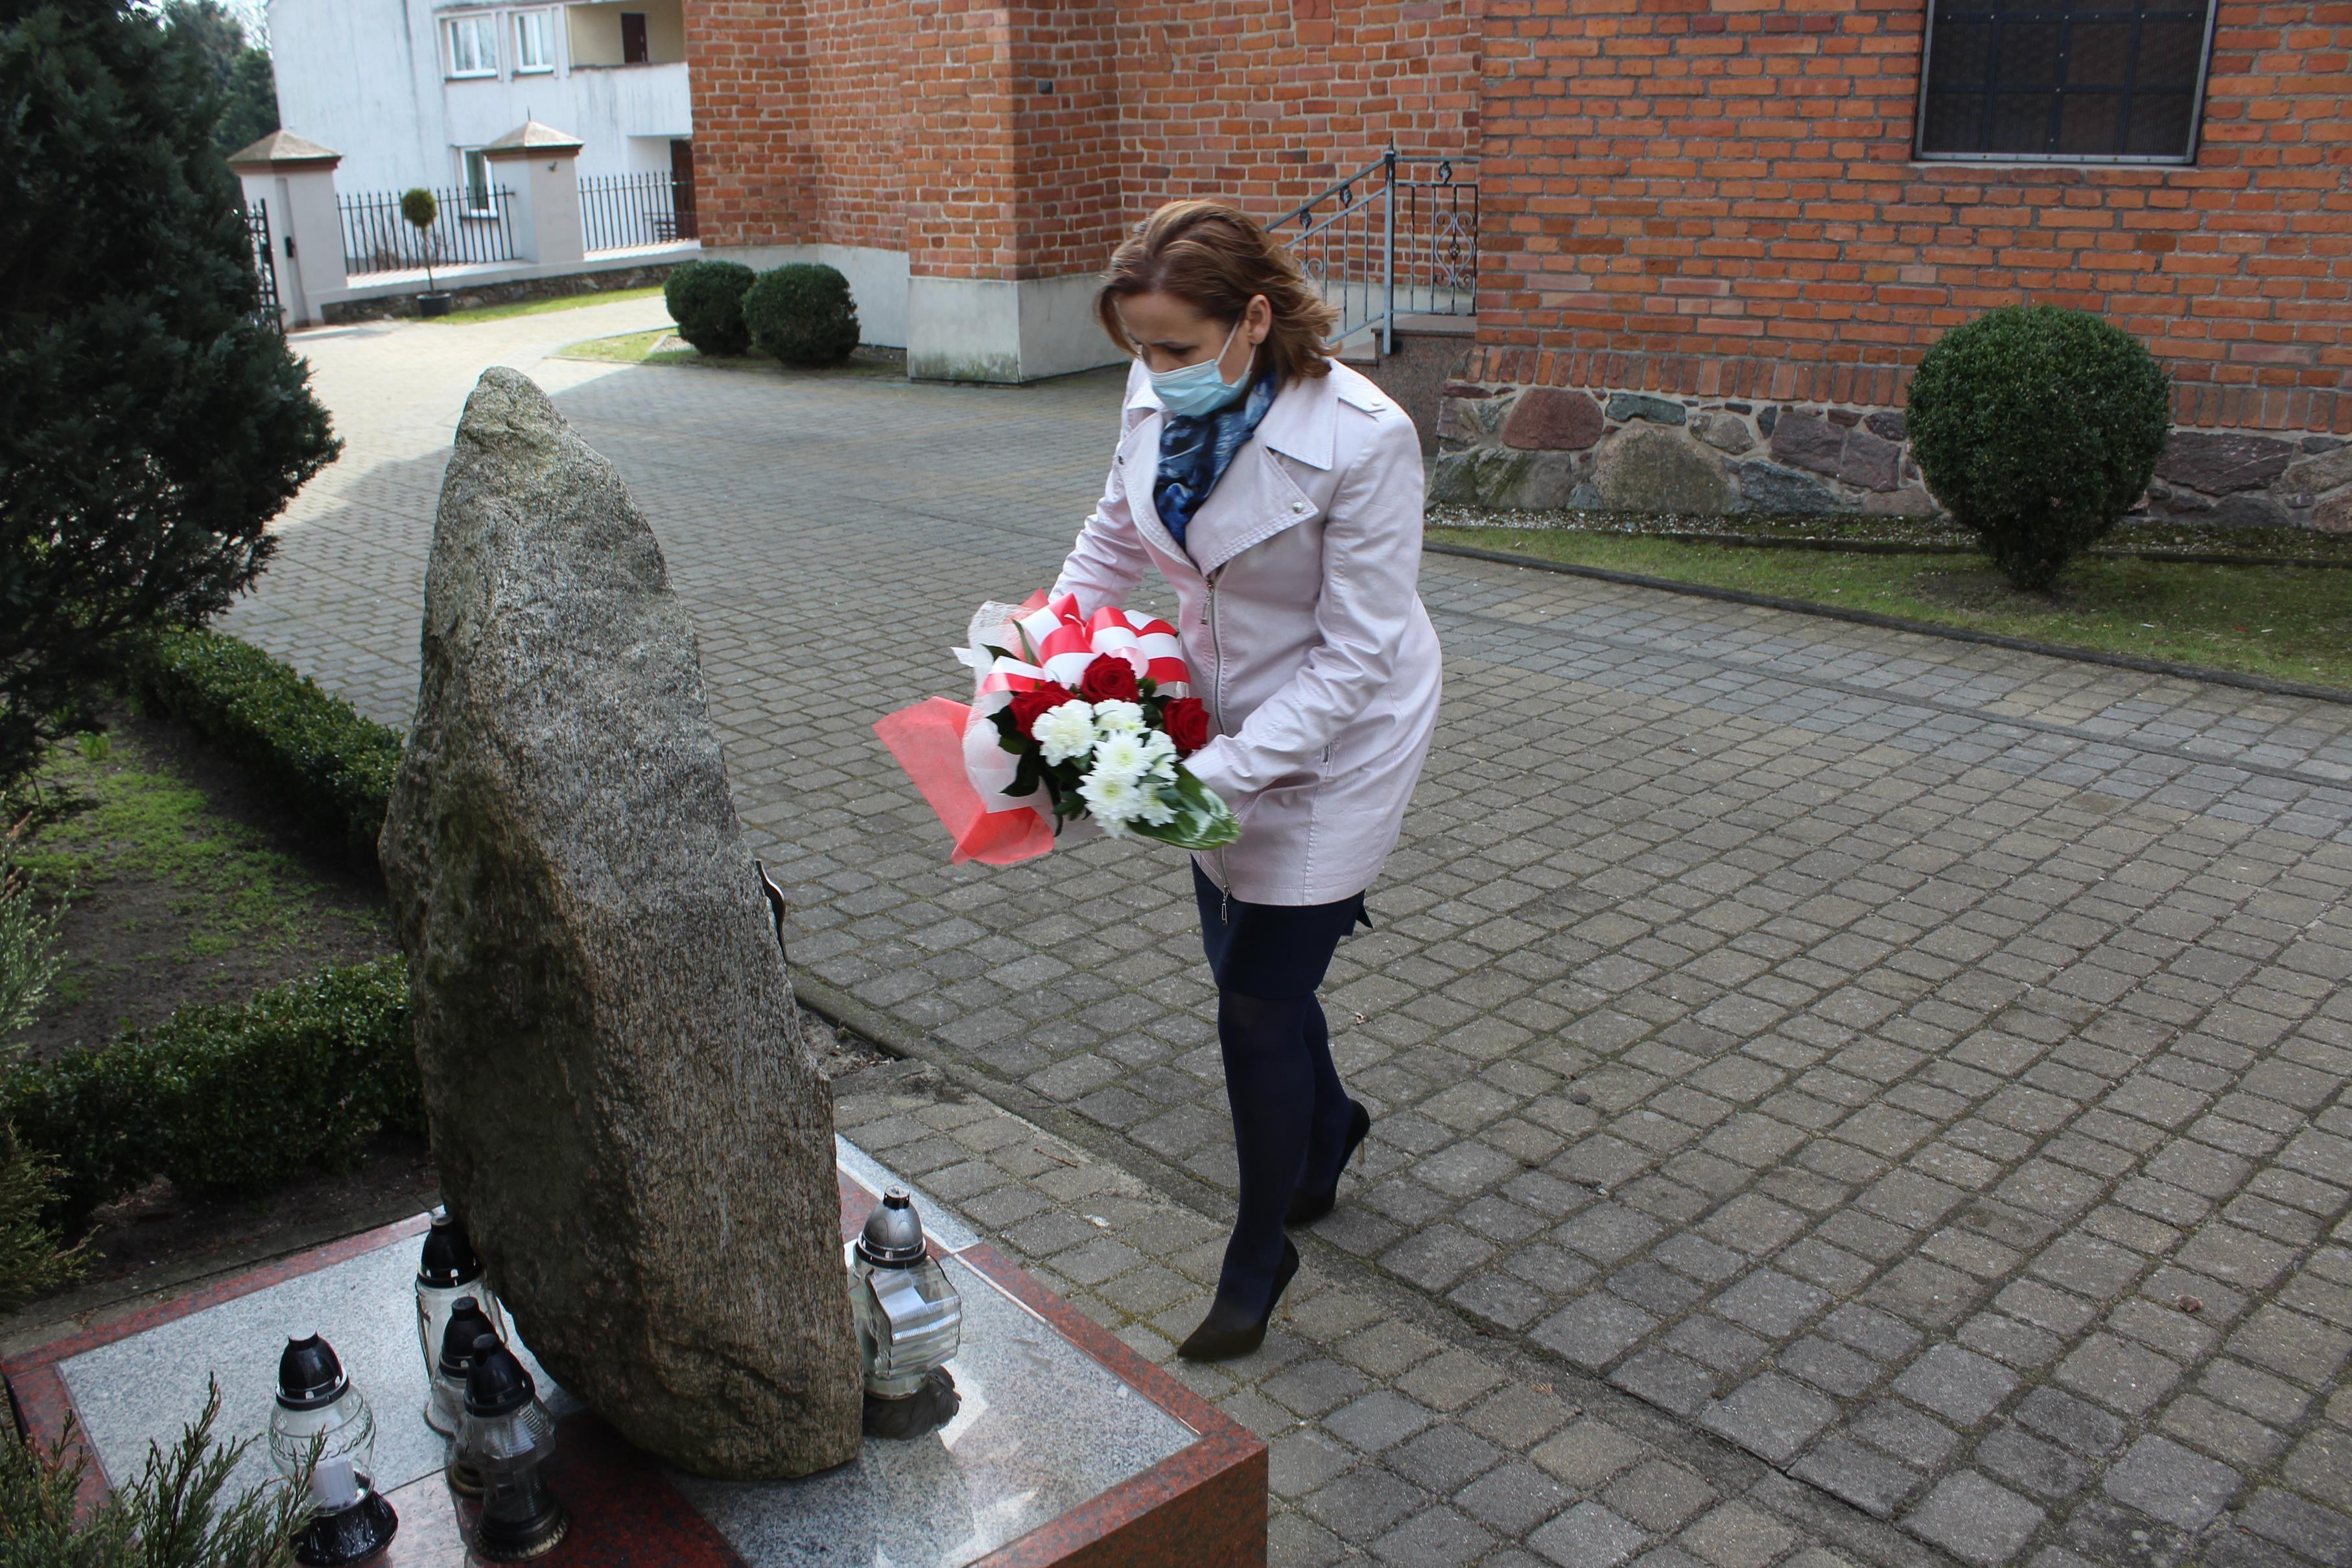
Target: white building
<point>410,90</point>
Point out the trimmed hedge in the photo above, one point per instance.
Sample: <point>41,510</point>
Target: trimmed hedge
<point>803,314</point>
<point>706,300</point>
<point>2038,427</point>
<point>330,763</point>
<point>227,1099</point>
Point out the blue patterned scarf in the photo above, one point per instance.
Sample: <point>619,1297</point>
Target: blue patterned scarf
<point>1195,452</point>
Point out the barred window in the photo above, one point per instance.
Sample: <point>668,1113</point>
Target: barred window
<point>2077,80</point>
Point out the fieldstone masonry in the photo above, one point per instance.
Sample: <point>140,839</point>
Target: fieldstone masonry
<point>1544,447</point>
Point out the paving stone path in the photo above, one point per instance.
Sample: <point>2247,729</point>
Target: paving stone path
<point>1835,1090</point>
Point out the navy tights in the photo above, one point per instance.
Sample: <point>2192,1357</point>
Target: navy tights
<point>1290,1121</point>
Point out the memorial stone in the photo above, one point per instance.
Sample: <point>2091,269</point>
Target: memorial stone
<point>625,1114</point>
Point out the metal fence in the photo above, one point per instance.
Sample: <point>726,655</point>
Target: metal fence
<point>1397,238</point>
<point>626,211</point>
<point>264,267</point>
<point>471,225</point>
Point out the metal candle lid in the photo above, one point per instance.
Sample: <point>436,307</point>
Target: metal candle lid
<point>893,1236</point>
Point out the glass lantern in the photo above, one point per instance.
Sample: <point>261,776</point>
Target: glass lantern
<point>466,1324</point>
<point>321,1421</point>
<point>508,1438</point>
<point>447,1270</point>
<point>909,1321</point>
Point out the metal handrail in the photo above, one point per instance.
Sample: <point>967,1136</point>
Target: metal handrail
<point>1444,277</point>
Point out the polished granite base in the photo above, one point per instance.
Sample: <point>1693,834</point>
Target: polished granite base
<point>1068,1447</point>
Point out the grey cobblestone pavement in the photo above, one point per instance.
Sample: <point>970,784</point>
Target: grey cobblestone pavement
<point>1843,1065</point>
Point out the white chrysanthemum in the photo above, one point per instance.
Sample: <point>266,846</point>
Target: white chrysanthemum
<point>1116,717</point>
<point>1111,797</point>
<point>1121,757</point>
<point>1156,809</point>
<point>1065,732</point>
<point>1160,747</point>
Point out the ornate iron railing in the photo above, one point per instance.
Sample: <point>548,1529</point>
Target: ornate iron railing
<point>471,225</point>
<point>626,211</point>
<point>264,267</point>
<point>1397,238</point>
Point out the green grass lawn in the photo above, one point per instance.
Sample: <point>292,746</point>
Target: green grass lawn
<point>2289,623</point>
<point>541,307</point>
<point>638,349</point>
<point>178,881</point>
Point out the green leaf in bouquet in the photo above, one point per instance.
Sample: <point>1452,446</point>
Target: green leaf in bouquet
<point>1202,820</point>
<point>1027,776</point>
<point>1008,731</point>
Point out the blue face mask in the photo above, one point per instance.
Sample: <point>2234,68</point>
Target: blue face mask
<point>1198,390</point>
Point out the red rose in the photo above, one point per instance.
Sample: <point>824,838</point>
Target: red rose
<point>1187,723</point>
<point>1030,706</point>
<point>1109,679</point>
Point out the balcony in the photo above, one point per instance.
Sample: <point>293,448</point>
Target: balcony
<point>629,33</point>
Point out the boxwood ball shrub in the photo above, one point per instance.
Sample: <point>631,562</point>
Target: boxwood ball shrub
<point>706,300</point>
<point>803,314</point>
<point>2038,427</point>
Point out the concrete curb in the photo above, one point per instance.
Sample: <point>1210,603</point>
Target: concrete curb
<point>2263,683</point>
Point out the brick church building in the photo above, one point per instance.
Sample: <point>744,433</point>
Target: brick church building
<point>1665,253</point>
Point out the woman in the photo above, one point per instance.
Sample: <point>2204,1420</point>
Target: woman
<point>1280,494</point>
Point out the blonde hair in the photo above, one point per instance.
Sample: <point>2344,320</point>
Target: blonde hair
<point>1215,258</point>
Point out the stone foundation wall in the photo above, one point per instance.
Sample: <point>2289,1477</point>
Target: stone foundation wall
<point>1639,451</point>
<point>1596,449</point>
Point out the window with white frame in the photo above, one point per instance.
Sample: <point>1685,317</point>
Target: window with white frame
<point>2085,82</point>
<point>480,202</point>
<point>473,46</point>
<point>534,41</point>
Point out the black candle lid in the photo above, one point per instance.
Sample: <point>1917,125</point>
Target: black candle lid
<point>467,1323</point>
<point>497,1385</point>
<point>308,1375</point>
<point>448,1255</point>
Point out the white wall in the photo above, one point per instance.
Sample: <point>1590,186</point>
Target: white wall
<point>366,78</point>
<point>349,79</point>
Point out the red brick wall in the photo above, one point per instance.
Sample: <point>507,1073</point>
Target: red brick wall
<point>1717,197</point>
<point>1019,140</point>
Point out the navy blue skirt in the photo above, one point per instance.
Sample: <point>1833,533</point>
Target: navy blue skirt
<point>1277,951</point>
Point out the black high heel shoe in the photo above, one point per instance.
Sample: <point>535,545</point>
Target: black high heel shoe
<point>1307,1207</point>
<point>1208,1342</point>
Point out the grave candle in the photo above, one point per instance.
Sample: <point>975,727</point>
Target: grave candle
<point>321,1421</point>
<point>447,1270</point>
<point>508,1438</point>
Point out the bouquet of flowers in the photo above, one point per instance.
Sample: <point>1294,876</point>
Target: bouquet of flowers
<point>1075,719</point>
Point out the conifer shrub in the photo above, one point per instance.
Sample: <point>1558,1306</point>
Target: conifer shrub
<point>2038,428</point>
<point>184,1509</point>
<point>803,314</point>
<point>706,300</point>
<point>151,421</point>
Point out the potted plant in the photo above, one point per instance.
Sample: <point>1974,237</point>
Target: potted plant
<point>419,207</point>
